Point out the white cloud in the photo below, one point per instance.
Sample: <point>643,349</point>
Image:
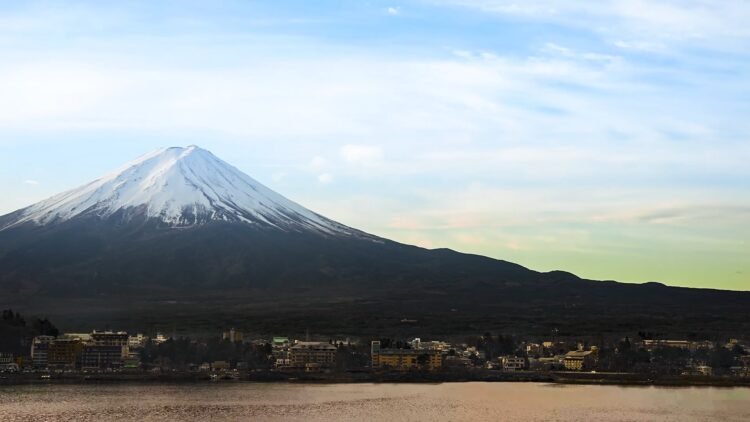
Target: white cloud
<point>393,11</point>
<point>325,178</point>
<point>645,46</point>
<point>317,163</point>
<point>53,89</point>
<point>658,20</point>
<point>31,182</point>
<point>361,154</point>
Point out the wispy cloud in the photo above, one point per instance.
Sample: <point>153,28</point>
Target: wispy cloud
<point>662,19</point>
<point>318,163</point>
<point>325,178</point>
<point>31,182</point>
<point>361,154</point>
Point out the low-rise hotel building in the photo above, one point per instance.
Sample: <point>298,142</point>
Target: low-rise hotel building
<point>405,359</point>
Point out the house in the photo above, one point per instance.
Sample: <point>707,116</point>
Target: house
<point>740,371</point>
<point>512,363</point>
<point>699,370</point>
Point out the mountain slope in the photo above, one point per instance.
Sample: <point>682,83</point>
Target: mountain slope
<point>179,236</point>
<point>181,219</point>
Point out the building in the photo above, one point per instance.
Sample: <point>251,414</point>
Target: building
<point>650,345</point>
<point>280,342</point>
<point>232,335</point>
<point>133,361</point>
<point>9,367</point>
<point>159,339</point>
<point>83,337</point>
<point>512,363</point>
<point>416,344</point>
<point>533,348</point>
<point>101,356</point>
<point>64,352</point>
<point>457,362</point>
<point>137,341</point>
<point>280,352</point>
<point>700,369</point>
<point>419,344</point>
<point>404,359</point>
<point>408,359</point>
<point>111,338</point>
<point>39,351</point>
<point>554,363</point>
<point>282,361</point>
<point>305,353</point>
<point>8,363</point>
<point>580,360</point>
<point>704,370</point>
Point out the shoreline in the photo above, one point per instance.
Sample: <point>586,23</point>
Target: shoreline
<point>563,378</point>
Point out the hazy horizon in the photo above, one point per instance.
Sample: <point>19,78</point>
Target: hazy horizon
<point>608,140</point>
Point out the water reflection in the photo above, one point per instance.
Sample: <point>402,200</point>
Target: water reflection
<point>363,402</point>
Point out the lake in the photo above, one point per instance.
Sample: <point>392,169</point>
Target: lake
<point>365,402</point>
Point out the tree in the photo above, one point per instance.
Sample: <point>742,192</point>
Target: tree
<point>44,327</point>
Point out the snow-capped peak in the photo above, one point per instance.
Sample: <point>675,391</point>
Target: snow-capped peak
<point>180,187</point>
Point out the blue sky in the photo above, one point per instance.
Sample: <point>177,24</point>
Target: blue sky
<point>606,138</point>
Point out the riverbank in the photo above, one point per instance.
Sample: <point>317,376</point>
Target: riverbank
<point>598,378</point>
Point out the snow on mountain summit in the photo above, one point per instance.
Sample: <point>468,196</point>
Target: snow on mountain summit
<point>180,187</point>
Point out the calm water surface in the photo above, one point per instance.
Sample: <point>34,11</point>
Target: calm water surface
<point>363,402</point>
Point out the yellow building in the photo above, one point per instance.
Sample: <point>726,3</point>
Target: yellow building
<point>405,359</point>
<point>579,360</point>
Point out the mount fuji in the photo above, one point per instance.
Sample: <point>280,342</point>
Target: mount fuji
<point>179,187</point>
<point>179,236</point>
